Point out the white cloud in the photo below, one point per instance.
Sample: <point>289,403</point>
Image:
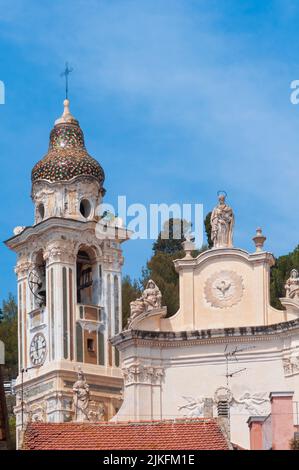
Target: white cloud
<point>190,75</point>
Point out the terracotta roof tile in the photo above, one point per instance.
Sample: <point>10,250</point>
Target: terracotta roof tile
<point>193,434</point>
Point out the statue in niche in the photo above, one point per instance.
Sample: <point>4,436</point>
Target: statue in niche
<point>292,285</point>
<point>81,398</point>
<point>222,223</point>
<point>150,299</point>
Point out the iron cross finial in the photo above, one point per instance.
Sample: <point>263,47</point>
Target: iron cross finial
<point>65,74</point>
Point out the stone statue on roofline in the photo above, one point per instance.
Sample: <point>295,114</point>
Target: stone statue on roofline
<point>150,299</point>
<point>81,398</point>
<point>292,285</point>
<point>222,223</point>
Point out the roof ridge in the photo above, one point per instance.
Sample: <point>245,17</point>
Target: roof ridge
<point>129,422</point>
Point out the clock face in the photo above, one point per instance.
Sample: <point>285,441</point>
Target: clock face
<point>38,349</point>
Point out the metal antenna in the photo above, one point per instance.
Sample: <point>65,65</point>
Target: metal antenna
<point>233,354</point>
<point>231,374</point>
<point>65,74</point>
<point>228,355</point>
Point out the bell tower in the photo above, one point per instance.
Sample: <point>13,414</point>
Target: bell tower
<point>69,285</point>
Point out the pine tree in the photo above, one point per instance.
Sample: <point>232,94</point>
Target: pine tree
<point>130,291</point>
<point>208,229</point>
<point>160,267</point>
<point>171,237</point>
<point>280,273</point>
<point>9,335</point>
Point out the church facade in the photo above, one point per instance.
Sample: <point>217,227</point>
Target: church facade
<point>224,351</point>
<point>69,288</point>
<point>221,355</point>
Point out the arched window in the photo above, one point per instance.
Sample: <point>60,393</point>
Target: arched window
<point>41,211</point>
<point>85,281</point>
<point>85,208</point>
<point>37,280</point>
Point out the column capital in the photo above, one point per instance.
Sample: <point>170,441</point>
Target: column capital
<point>142,374</point>
<point>23,267</point>
<point>60,251</point>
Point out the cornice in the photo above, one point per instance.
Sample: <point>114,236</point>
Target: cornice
<point>167,339</point>
<point>217,253</point>
<point>62,184</point>
<point>57,223</point>
<point>69,371</point>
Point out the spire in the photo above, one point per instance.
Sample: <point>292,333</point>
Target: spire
<point>66,117</point>
<point>67,157</point>
<point>65,74</point>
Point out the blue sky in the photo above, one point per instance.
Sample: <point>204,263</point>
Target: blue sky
<point>177,99</point>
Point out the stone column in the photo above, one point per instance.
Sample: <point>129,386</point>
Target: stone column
<point>61,298</point>
<point>142,393</point>
<point>22,269</point>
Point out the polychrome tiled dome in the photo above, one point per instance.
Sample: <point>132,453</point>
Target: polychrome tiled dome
<point>67,157</point>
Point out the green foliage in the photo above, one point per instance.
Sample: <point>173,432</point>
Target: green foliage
<point>9,335</point>
<point>12,432</point>
<point>280,273</point>
<point>208,229</point>
<point>171,237</point>
<point>294,444</point>
<point>160,269</point>
<point>130,291</point>
<point>9,308</point>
